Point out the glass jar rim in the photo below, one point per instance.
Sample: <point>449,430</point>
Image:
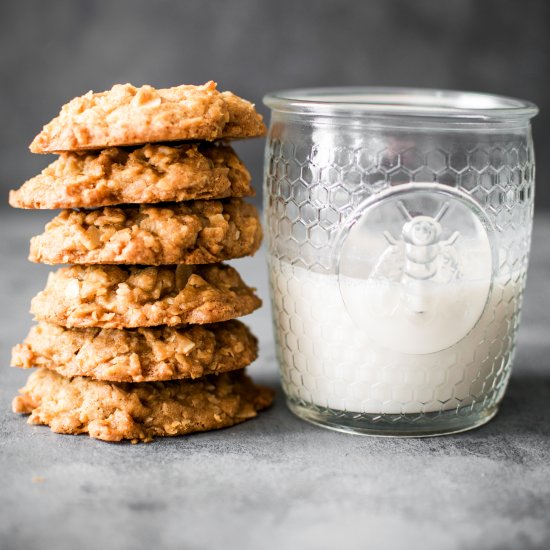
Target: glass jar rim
<point>369,101</point>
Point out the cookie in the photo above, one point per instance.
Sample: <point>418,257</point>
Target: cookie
<point>149,174</point>
<point>138,355</point>
<point>126,115</point>
<point>128,297</point>
<point>115,411</point>
<point>197,232</point>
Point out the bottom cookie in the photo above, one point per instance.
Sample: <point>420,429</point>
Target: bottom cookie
<point>115,411</point>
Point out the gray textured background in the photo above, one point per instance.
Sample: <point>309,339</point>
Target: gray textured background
<point>275,482</point>
<point>53,50</point>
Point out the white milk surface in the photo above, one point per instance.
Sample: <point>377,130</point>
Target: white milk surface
<point>367,353</point>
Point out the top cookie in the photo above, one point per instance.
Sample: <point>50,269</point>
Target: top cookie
<point>126,115</point>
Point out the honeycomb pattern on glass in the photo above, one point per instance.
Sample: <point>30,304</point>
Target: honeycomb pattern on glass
<point>311,188</point>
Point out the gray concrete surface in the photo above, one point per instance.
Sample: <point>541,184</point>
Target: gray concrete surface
<point>277,482</point>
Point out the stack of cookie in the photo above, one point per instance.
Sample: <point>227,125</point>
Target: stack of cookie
<point>138,338</point>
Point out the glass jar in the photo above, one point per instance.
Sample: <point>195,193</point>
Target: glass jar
<point>398,229</point>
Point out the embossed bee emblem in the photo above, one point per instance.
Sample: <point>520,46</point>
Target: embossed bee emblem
<point>417,256</point>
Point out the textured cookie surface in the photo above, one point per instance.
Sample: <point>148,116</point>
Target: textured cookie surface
<point>197,232</point>
<point>127,297</point>
<point>126,115</point>
<point>113,411</point>
<point>149,174</point>
<point>138,355</point>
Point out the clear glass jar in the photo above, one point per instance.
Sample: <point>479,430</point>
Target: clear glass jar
<point>398,229</point>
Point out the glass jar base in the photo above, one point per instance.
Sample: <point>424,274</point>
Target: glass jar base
<point>394,425</point>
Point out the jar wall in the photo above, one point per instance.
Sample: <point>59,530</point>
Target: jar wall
<point>319,172</point>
